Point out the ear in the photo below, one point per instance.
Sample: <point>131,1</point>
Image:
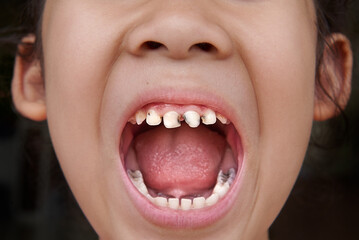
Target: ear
<point>28,88</point>
<point>335,73</point>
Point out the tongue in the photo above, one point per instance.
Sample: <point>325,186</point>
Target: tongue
<point>179,162</point>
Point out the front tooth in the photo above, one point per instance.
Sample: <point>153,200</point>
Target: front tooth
<point>140,117</point>
<point>173,203</point>
<point>199,202</point>
<point>220,189</point>
<point>222,119</point>
<point>152,118</point>
<point>192,118</point>
<point>171,120</point>
<point>161,201</point>
<point>209,117</point>
<point>186,204</point>
<point>213,199</point>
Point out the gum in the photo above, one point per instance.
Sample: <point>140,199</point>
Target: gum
<point>162,108</point>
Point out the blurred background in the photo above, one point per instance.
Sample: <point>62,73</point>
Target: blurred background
<point>36,203</point>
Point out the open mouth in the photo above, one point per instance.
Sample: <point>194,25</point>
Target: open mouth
<point>182,163</point>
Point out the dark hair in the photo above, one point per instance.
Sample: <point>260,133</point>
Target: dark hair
<point>29,22</point>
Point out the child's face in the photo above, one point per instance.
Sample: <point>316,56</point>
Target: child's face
<point>257,68</point>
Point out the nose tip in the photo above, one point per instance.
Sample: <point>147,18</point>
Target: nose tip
<point>179,36</point>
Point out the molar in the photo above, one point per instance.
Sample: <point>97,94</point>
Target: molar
<point>142,188</point>
<point>222,119</point>
<point>221,189</point>
<point>213,199</point>
<point>134,174</point>
<point>232,175</point>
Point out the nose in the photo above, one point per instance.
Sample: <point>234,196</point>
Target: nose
<point>179,33</point>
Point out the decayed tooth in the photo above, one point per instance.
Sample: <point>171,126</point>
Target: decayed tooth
<point>198,202</point>
<point>213,199</point>
<point>134,174</point>
<point>173,203</point>
<point>140,116</point>
<point>137,180</point>
<point>232,175</point>
<point>192,118</point>
<point>221,189</point>
<point>186,204</point>
<point>221,178</point>
<point>161,201</point>
<point>209,117</point>
<point>222,118</point>
<point>171,120</point>
<point>152,118</point>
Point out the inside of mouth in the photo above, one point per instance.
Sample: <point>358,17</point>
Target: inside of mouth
<point>181,163</point>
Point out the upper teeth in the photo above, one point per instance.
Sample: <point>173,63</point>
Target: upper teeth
<point>153,119</point>
<point>224,181</point>
<point>192,118</point>
<point>209,117</point>
<point>140,117</point>
<point>172,119</point>
<point>222,119</point>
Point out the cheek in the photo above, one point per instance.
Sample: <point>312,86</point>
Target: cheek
<point>284,76</point>
<point>285,96</point>
<point>76,64</point>
<point>281,64</point>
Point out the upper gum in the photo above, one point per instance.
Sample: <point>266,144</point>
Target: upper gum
<point>162,108</point>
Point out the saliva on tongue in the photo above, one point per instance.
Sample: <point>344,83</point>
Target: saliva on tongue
<point>180,162</point>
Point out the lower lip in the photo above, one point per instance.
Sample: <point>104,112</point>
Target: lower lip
<point>179,219</point>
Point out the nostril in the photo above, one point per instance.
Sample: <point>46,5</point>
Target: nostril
<point>206,47</point>
<point>152,45</point>
<point>178,50</point>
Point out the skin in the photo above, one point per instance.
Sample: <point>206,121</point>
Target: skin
<point>263,68</point>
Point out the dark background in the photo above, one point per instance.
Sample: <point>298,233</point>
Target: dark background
<point>36,203</point>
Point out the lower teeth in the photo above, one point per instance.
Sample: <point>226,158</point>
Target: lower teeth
<point>224,181</point>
